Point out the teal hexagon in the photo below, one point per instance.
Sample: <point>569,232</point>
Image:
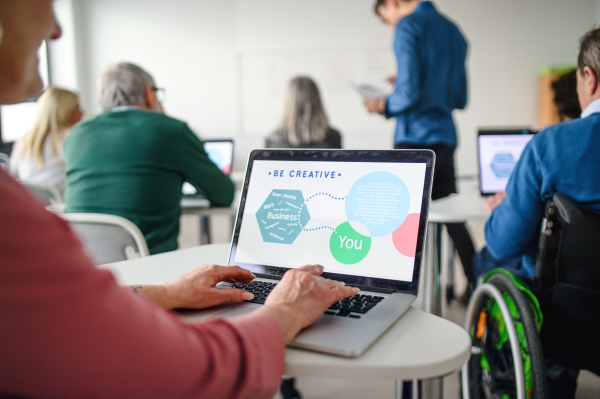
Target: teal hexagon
<point>282,216</point>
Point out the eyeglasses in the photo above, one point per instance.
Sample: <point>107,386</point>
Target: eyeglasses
<point>161,93</point>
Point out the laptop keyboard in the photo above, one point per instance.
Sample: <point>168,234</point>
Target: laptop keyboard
<point>353,307</point>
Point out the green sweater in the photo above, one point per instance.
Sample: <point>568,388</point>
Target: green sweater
<point>133,164</point>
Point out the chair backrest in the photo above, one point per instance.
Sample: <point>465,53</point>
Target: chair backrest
<point>46,194</point>
<point>568,284</point>
<point>4,161</point>
<point>108,238</point>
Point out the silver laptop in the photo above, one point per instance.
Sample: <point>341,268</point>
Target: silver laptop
<point>360,214</point>
<point>221,153</point>
<point>498,152</point>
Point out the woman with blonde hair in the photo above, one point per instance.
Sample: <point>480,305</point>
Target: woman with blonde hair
<point>304,123</point>
<point>38,157</point>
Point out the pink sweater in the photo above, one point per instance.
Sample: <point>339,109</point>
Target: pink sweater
<point>68,330</point>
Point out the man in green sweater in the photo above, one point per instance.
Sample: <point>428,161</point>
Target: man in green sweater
<point>132,160</point>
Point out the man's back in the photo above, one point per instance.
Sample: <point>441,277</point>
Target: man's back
<point>133,164</point>
<point>561,159</point>
<point>431,82</point>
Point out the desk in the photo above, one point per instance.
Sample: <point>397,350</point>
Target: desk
<point>456,208</point>
<point>418,346</point>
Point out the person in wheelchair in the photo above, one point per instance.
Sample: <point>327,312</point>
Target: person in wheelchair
<point>560,159</point>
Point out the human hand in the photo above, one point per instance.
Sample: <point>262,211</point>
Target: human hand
<point>196,289</point>
<point>375,105</point>
<point>492,202</point>
<point>301,297</point>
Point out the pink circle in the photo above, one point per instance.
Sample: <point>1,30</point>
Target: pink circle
<point>405,237</point>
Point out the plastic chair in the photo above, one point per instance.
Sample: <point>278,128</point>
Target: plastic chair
<point>505,315</point>
<point>108,238</point>
<point>4,161</point>
<point>46,194</point>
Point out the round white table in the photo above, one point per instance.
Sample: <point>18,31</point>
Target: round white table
<point>418,346</point>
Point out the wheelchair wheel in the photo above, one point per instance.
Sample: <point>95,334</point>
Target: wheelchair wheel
<point>507,360</point>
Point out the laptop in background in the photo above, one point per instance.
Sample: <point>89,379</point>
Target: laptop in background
<point>360,214</point>
<point>498,152</point>
<point>221,153</point>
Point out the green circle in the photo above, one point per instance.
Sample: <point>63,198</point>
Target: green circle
<point>347,245</point>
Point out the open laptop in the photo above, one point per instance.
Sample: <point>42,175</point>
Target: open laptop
<point>221,153</point>
<point>360,214</point>
<point>498,153</point>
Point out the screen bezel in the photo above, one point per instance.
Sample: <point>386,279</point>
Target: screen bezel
<point>499,132</point>
<point>387,156</point>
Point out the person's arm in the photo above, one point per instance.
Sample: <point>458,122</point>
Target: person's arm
<point>513,226</point>
<point>71,326</point>
<point>201,172</point>
<point>407,89</point>
<point>461,85</point>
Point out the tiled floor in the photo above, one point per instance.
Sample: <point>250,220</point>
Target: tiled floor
<point>320,388</point>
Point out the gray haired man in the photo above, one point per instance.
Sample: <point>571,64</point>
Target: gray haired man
<point>132,160</point>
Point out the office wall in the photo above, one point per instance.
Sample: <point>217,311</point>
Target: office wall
<point>195,48</point>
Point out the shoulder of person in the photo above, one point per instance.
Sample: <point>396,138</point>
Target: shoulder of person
<point>333,132</point>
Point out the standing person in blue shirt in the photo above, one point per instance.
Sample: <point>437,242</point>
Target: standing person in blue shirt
<point>431,83</point>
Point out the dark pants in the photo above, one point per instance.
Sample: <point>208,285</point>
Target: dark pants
<point>444,184</point>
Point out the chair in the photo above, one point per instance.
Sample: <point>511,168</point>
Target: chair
<point>46,194</point>
<point>4,161</point>
<point>108,238</point>
<point>561,305</point>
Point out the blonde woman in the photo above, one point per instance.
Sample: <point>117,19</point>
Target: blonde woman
<point>304,123</point>
<point>38,157</point>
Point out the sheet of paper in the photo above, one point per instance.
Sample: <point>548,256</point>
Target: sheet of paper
<point>368,90</point>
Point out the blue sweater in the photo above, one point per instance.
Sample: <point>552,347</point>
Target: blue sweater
<point>432,81</point>
<point>561,159</point>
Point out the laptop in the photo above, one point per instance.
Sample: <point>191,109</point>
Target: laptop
<point>498,152</point>
<point>221,153</point>
<point>360,214</point>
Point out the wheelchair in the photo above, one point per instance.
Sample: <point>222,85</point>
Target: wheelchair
<point>514,328</point>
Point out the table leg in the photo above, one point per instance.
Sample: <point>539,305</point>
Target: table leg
<point>205,237</point>
<point>432,302</point>
<point>449,251</point>
<point>433,388</point>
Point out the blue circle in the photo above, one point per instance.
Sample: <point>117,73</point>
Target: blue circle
<point>380,201</point>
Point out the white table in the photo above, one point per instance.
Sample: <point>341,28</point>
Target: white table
<point>418,346</point>
<point>456,208</point>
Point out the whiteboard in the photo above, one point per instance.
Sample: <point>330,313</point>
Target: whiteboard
<point>265,76</point>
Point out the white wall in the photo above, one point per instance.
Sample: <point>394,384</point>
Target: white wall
<point>193,48</point>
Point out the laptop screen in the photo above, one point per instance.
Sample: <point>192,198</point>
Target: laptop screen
<point>362,220</point>
<point>499,152</point>
<point>221,153</point>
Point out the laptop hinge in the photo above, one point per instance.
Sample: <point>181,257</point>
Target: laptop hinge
<point>361,287</point>
<point>374,289</point>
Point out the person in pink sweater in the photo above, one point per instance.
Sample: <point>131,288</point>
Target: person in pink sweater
<point>68,330</point>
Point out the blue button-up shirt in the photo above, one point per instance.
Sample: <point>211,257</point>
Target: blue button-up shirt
<point>432,81</point>
<point>560,159</point>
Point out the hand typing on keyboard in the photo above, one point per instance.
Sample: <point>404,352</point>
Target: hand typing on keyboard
<point>301,297</point>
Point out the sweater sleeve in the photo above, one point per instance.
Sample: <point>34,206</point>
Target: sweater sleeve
<point>201,172</point>
<point>407,90</point>
<point>513,226</point>
<point>68,330</point>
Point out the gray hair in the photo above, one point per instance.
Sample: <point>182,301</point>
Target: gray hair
<point>304,120</point>
<point>123,84</point>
